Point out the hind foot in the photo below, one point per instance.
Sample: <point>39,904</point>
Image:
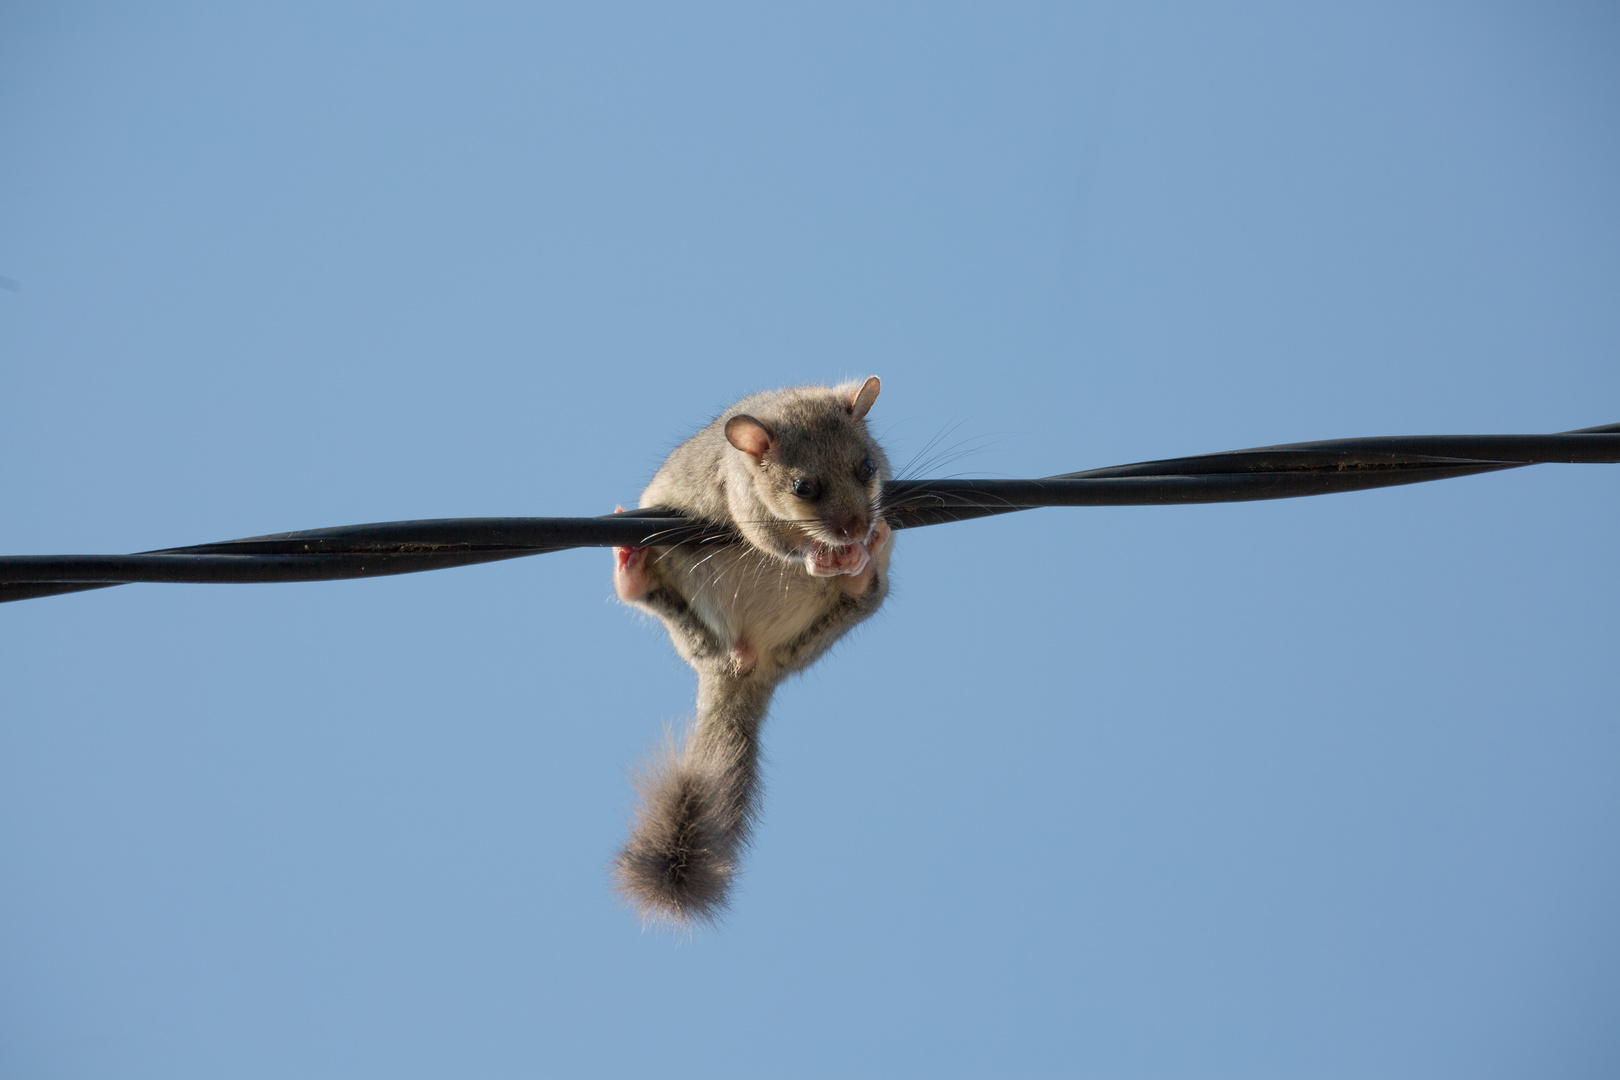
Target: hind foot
<point>742,657</point>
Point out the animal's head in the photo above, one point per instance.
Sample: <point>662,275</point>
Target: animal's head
<point>813,463</point>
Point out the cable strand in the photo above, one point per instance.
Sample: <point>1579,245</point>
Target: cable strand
<point>406,547</point>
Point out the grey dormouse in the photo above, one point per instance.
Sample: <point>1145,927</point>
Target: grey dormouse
<point>798,480</point>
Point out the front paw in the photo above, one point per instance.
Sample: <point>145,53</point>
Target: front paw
<point>825,561</point>
<point>859,582</point>
<point>880,537</point>
<point>630,573</point>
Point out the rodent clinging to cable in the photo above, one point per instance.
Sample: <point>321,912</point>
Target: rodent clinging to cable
<point>797,480</point>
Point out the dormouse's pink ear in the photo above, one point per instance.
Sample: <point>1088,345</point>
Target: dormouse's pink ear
<point>862,401</point>
<point>748,435</point>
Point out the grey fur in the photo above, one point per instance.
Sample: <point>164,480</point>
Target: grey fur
<point>746,614</point>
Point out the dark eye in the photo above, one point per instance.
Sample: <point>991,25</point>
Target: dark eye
<point>806,488</point>
<point>865,470</point>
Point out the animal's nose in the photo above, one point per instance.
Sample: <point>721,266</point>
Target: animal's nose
<point>852,528</point>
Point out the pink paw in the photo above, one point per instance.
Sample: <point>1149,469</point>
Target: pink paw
<point>880,537</point>
<point>849,561</point>
<point>858,583</point>
<point>630,572</point>
<point>824,561</point>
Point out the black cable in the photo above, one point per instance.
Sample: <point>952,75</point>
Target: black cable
<point>408,547</point>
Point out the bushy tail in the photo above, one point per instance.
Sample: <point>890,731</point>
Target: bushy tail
<point>697,808</point>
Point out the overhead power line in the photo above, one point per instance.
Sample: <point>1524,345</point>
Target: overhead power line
<point>408,547</point>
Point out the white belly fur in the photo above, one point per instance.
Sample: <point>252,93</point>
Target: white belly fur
<point>745,596</point>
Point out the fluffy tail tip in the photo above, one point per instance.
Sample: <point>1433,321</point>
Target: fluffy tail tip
<point>678,865</point>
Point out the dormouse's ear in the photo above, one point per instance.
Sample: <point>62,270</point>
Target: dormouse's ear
<point>748,435</point>
<point>862,401</point>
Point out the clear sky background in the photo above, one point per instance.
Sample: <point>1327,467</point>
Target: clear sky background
<point>1318,788</point>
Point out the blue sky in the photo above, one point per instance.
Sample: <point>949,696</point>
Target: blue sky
<point>1323,787</point>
